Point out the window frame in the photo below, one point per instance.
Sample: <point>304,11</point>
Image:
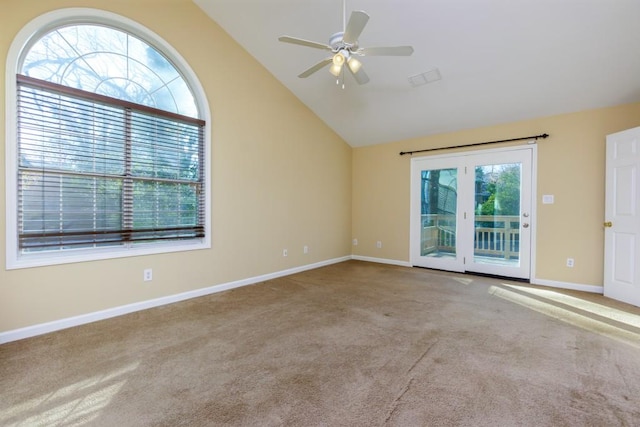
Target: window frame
<point>19,47</point>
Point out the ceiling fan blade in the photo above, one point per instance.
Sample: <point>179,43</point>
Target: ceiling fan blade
<point>360,76</point>
<point>315,68</point>
<point>354,28</point>
<point>386,51</point>
<point>302,42</point>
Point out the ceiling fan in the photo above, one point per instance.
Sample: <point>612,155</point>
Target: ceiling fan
<point>345,48</point>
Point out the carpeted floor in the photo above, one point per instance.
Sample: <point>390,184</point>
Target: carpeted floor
<point>352,344</point>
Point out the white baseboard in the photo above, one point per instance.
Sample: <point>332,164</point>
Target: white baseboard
<point>568,285</point>
<point>56,325</point>
<point>381,260</point>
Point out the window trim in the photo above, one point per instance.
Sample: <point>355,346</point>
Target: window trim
<point>20,45</point>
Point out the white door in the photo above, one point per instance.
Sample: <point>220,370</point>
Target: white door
<point>472,212</point>
<point>499,216</point>
<point>622,217</point>
<point>436,219</point>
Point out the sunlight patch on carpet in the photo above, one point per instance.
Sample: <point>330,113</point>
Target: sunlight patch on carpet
<point>618,324</point>
<point>592,307</point>
<point>72,405</point>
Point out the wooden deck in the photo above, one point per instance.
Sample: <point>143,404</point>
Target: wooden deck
<point>496,241</point>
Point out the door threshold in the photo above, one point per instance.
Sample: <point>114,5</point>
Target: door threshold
<point>496,276</point>
<point>473,273</point>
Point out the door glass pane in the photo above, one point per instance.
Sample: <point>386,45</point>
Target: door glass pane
<point>439,193</point>
<point>497,214</point>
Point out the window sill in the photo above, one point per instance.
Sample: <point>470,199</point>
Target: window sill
<point>15,261</point>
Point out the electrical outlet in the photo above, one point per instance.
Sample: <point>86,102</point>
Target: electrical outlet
<point>355,242</point>
<point>305,249</point>
<point>570,262</point>
<point>378,244</point>
<point>147,275</point>
<point>285,252</point>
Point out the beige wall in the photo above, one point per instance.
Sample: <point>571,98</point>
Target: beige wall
<point>571,166</point>
<point>281,179</point>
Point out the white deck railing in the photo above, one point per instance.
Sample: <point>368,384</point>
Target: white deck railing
<point>501,240</point>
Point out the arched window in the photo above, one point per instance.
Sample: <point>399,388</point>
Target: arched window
<point>110,146</point>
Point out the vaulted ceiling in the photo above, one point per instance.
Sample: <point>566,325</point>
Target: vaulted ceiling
<point>499,60</point>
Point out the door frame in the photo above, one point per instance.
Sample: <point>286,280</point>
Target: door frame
<point>459,158</point>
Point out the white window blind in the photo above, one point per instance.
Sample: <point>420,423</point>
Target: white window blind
<point>97,171</point>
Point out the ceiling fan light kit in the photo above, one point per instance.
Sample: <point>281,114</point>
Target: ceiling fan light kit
<point>354,65</point>
<point>335,69</point>
<point>340,57</point>
<point>344,46</point>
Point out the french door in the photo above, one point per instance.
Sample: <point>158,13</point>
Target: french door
<point>472,212</point>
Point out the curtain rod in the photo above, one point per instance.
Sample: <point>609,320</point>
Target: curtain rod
<point>534,137</point>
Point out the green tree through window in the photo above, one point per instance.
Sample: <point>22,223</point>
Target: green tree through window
<point>503,189</point>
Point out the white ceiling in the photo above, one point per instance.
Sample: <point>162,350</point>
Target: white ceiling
<point>500,60</point>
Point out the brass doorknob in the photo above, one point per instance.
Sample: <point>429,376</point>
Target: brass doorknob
<point>608,224</point>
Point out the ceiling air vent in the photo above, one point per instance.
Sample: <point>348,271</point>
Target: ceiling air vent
<point>424,78</point>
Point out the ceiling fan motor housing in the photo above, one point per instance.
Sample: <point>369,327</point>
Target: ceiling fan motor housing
<point>336,42</point>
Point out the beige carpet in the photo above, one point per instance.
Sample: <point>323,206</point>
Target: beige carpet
<point>353,344</point>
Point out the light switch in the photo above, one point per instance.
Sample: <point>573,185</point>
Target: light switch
<point>547,199</point>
